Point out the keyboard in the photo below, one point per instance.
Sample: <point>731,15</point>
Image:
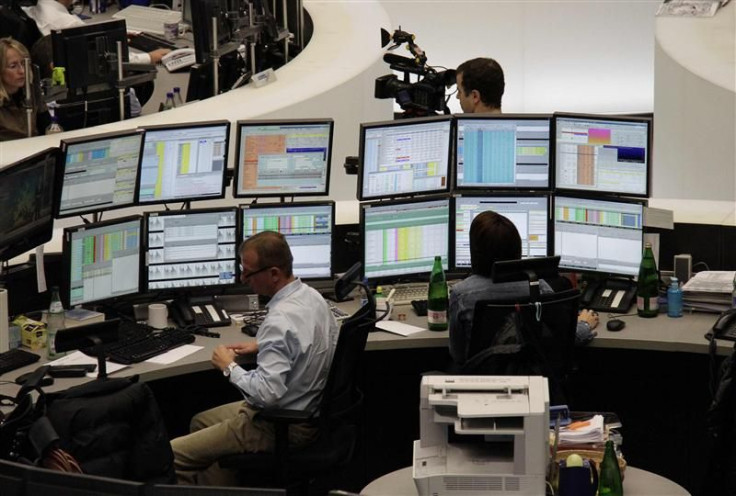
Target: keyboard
<point>339,314</point>
<point>147,19</point>
<point>149,346</point>
<point>146,42</point>
<point>15,359</point>
<point>405,293</point>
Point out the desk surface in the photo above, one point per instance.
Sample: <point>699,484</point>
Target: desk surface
<point>637,482</point>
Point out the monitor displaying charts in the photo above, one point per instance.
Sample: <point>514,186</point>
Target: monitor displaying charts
<point>102,261</point>
<point>404,157</point>
<point>98,173</point>
<point>283,158</point>
<point>603,154</point>
<point>503,151</point>
<point>402,238</point>
<point>598,236</point>
<point>184,162</point>
<point>530,215</point>
<point>307,227</point>
<point>190,249</point>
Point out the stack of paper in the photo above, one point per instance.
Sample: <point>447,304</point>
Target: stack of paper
<point>709,290</point>
<point>582,432</point>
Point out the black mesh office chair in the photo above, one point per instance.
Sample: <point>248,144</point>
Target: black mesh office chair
<point>295,467</point>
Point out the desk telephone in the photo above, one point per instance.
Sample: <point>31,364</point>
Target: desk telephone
<point>611,295</point>
<point>206,313</point>
<point>179,59</point>
<point>725,326</point>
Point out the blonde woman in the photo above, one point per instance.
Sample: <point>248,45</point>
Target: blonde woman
<point>13,115</point>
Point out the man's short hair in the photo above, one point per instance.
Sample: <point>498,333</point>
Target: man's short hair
<point>486,76</point>
<point>493,238</point>
<point>272,250</point>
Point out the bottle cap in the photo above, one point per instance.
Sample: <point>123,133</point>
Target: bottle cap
<point>647,245</point>
<point>379,289</point>
<point>169,94</point>
<point>177,89</point>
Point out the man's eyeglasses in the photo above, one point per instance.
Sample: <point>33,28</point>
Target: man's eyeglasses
<point>247,275</point>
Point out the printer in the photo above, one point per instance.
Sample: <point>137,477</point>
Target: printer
<point>482,435</point>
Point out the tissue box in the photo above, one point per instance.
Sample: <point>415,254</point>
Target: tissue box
<point>32,332</point>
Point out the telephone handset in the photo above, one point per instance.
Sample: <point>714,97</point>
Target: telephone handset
<point>725,326</point>
<point>205,314</point>
<point>179,59</point>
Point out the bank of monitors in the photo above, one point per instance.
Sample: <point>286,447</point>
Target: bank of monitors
<point>529,213</point>
<point>98,173</point>
<point>102,261</point>
<point>601,236</point>
<point>603,154</point>
<point>26,203</point>
<point>190,249</point>
<point>404,157</point>
<point>307,227</point>
<point>283,158</point>
<point>503,151</point>
<point>184,162</point>
<point>401,239</point>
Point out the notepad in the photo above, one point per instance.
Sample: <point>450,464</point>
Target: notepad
<point>398,327</point>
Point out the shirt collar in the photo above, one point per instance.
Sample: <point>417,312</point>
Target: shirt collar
<point>285,292</point>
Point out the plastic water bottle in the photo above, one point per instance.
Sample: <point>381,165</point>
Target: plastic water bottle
<point>674,299</point>
<point>54,322</point>
<point>178,102</point>
<point>169,103</point>
<point>54,127</point>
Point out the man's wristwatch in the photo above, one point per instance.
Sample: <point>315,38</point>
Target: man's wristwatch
<point>230,367</point>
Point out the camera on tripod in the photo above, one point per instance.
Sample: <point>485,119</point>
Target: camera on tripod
<point>426,96</point>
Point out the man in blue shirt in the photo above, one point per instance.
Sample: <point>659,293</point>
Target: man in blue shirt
<point>295,345</point>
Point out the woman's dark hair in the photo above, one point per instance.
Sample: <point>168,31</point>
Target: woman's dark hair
<point>493,238</point>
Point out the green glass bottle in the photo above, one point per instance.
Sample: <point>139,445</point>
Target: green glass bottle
<point>609,480</point>
<point>647,286</point>
<point>437,298</point>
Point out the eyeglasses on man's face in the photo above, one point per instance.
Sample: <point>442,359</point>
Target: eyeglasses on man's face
<point>247,275</point>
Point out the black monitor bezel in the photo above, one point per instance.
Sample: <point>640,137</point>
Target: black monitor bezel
<point>18,244</point>
<point>499,194</point>
<point>399,123</point>
<point>60,169</point>
<point>167,127</point>
<point>237,172</point>
<point>295,205</point>
<point>611,199</point>
<point>416,276</point>
<point>605,117</point>
<point>65,283</point>
<point>501,117</point>
<point>189,290</point>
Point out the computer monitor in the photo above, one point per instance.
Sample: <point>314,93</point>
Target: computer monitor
<point>89,53</point>
<point>307,227</point>
<point>603,154</point>
<point>26,203</point>
<point>401,238</point>
<point>190,249</point>
<point>529,213</point>
<point>593,235</point>
<point>283,158</point>
<point>184,162</point>
<point>404,157</point>
<point>503,151</point>
<point>98,173</point>
<point>102,261</point>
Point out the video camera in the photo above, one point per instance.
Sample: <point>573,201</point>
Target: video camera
<point>423,97</point>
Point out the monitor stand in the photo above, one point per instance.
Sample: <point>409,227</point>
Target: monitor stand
<point>612,294</point>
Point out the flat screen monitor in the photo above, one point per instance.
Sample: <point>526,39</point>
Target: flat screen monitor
<point>401,239</point>
<point>603,154</point>
<point>404,157</point>
<point>594,235</point>
<point>98,173</point>
<point>529,213</point>
<point>190,249</point>
<point>503,151</point>
<point>26,203</point>
<point>184,162</point>
<point>102,261</point>
<point>283,158</point>
<point>307,227</point>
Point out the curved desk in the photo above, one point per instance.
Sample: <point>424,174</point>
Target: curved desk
<point>637,482</point>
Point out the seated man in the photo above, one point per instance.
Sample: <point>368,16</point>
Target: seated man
<point>295,346</point>
<point>494,238</point>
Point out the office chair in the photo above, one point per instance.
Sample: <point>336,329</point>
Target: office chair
<point>336,423</point>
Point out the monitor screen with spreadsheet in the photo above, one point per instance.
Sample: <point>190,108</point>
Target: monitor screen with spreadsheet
<point>603,154</point>
<point>98,173</point>
<point>102,261</point>
<point>190,249</point>
<point>401,239</point>
<point>594,235</point>
<point>404,157</point>
<point>184,162</point>
<point>503,151</point>
<point>307,227</point>
<point>283,158</point>
<point>530,215</point>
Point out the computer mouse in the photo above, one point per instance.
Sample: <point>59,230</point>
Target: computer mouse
<point>249,329</point>
<point>615,325</point>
